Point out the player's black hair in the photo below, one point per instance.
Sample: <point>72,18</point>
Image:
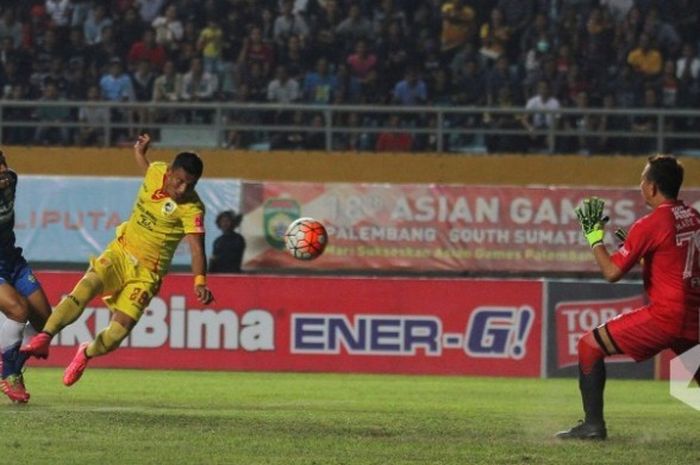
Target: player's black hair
<point>190,162</point>
<point>667,173</point>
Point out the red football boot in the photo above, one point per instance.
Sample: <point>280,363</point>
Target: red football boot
<point>38,346</point>
<point>77,366</point>
<point>13,387</point>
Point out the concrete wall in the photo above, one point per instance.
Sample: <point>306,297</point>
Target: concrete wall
<point>355,167</point>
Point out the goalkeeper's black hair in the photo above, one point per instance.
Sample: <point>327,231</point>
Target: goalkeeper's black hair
<point>190,162</point>
<point>667,173</point>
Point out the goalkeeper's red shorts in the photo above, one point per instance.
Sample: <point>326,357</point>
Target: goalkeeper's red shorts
<point>639,335</point>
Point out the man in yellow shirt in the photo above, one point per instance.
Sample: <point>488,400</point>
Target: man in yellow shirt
<point>645,59</point>
<point>129,271</point>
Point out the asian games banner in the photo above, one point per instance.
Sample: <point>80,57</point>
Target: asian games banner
<point>69,218</point>
<point>326,324</point>
<point>434,227</point>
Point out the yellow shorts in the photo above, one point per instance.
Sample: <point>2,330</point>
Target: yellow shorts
<point>128,287</point>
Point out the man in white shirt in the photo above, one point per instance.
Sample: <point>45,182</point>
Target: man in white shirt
<point>544,100</point>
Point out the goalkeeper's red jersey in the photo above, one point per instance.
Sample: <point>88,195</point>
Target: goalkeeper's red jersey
<point>668,239</point>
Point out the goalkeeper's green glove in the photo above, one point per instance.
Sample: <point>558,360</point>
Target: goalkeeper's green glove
<point>590,217</point>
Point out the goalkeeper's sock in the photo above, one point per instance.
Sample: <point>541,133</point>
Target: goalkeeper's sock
<point>107,340</point>
<point>591,379</point>
<point>72,305</point>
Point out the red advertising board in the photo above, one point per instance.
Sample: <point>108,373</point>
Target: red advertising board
<point>434,227</point>
<point>324,324</point>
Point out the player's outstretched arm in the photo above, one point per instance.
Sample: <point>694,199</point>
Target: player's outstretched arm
<point>199,264</point>
<point>140,150</point>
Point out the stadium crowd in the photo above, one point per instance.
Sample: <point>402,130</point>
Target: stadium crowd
<point>455,53</point>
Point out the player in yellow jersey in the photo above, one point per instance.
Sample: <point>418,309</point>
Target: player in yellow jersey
<point>129,271</point>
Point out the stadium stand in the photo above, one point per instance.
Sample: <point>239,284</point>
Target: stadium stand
<point>458,53</point>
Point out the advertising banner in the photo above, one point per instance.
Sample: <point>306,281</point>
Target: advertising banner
<point>576,307</point>
<point>294,323</point>
<point>434,227</point>
<point>69,218</point>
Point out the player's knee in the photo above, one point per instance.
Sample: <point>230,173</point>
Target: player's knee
<point>589,352</point>
<point>16,310</point>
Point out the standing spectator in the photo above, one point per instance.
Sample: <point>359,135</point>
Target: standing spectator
<point>94,119</point>
<point>502,143</point>
<point>495,36</point>
<point>394,52</point>
<point>149,9</point>
<point>116,86</point>
<point>168,27</point>
<point>129,28</point>
<point>254,50</point>
<point>229,247</point>
<point>458,27</point>
<point>518,15</point>
<point>362,61</point>
<point>147,49</point>
<point>544,100</point>
<point>354,27</point>
<point>688,64</point>
<point>142,79</point>
<point>17,135</point>
<point>167,88</point>
<point>46,132</point>
<point>10,27</point>
<point>96,21</point>
<point>209,44</point>
<point>385,13</point>
<point>293,57</point>
<point>645,59</point>
<point>288,23</point>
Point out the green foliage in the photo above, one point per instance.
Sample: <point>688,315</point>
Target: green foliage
<point>171,417</point>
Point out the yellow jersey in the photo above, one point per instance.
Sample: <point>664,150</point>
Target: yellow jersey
<point>157,223</point>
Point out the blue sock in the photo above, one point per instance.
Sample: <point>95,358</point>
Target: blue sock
<point>10,358</point>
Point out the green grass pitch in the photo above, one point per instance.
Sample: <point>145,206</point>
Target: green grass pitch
<point>176,417</point>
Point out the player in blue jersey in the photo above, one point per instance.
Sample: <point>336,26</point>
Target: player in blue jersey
<point>22,299</point>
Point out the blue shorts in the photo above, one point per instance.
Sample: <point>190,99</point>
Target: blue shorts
<point>18,274</point>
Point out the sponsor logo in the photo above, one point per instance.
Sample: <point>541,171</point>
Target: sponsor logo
<point>277,214</point>
<point>499,332</point>
<point>169,207</point>
<point>491,332</point>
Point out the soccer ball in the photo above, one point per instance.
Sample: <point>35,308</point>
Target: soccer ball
<point>305,238</point>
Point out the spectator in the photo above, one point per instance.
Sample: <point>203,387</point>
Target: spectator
<point>394,51</point>
<point>471,86</point>
<point>94,120</point>
<point>495,36</point>
<point>319,85</point>
<point>209,44</point>
<point>47,133</point>
<point>289,23</point>
<point>169,29</point>
<point>12,135</point>
<point>167,88</point>
<point>385,13</point>
<point>645,125</point>
<point>96,21</point>
<point>362,61</point>
<point>393,138</point>
<point>60,12</point>
<point>229,248</point>
<point>411,90</point>
<point>149,9</point>
<point>254,50</point>
<point>10,27</point>
<point>130,28</point>
<point>645,60</point>
<point>283,89</point>
<point>688,65</point>
<point>502,143</point>
<point>537,121</point>
<point>458,26</point>
<point>198,85</point>
<point>293,58</point>
<point>147,49</point>
<point>354,28</point>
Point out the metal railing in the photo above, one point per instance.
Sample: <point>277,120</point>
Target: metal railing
<point>446,129</point>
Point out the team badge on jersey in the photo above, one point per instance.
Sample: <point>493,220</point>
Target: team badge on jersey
<point>169,207</point>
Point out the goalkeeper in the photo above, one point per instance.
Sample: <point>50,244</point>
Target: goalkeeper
<point>667,241</point>
<point>129,271</point>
